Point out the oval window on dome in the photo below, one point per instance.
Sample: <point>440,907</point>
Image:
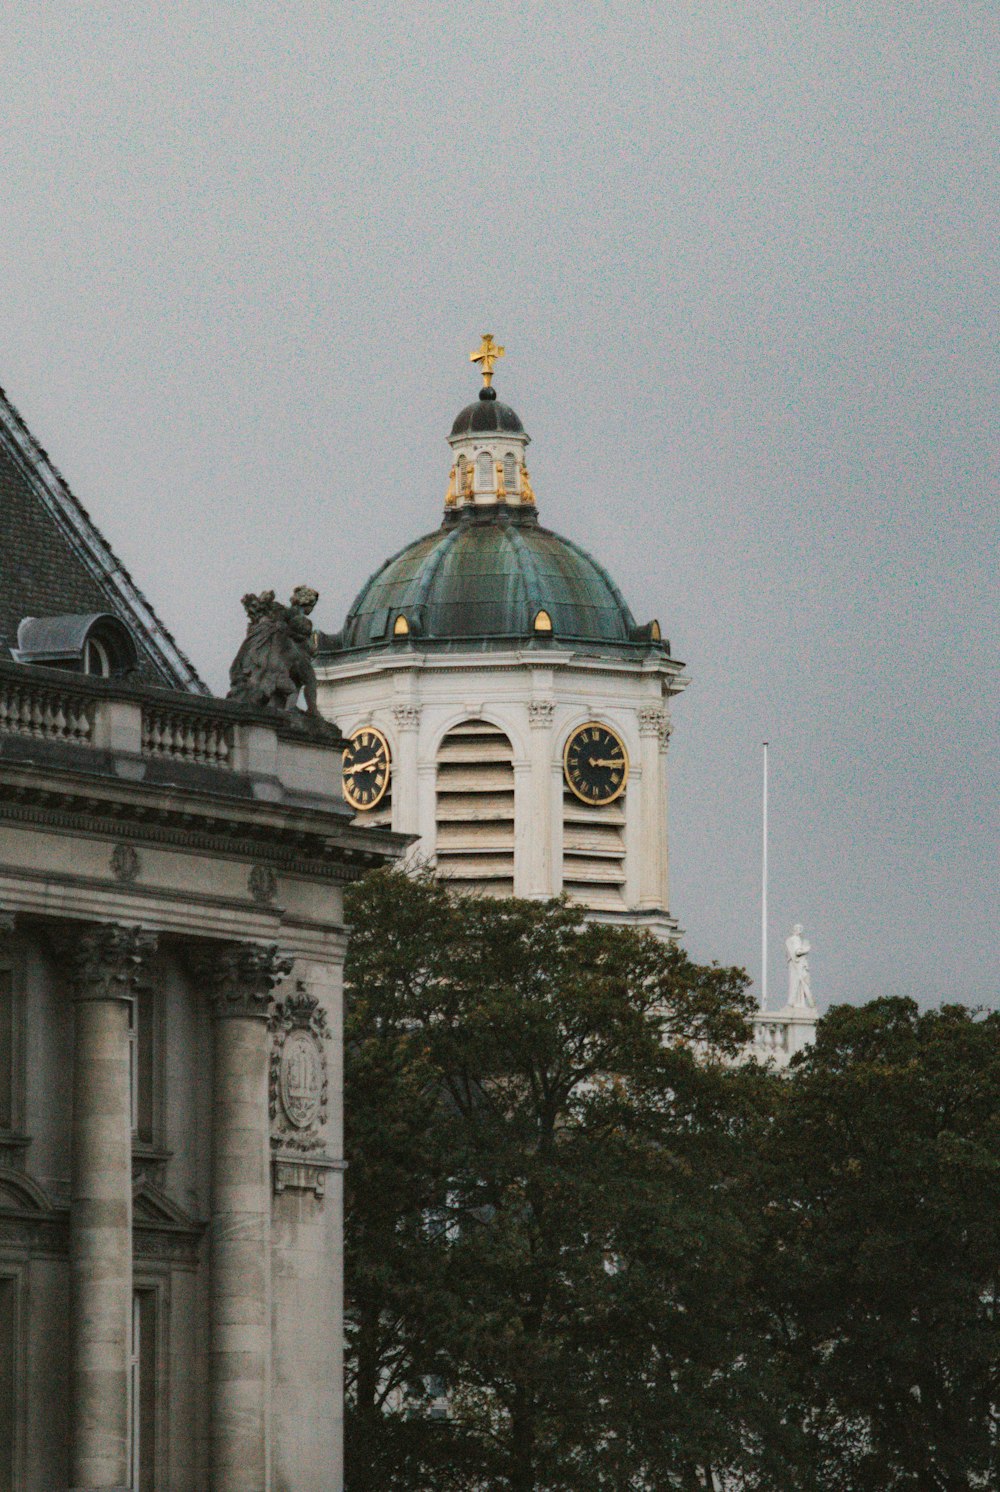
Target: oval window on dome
<point>543,622</point>
<point>400,627</point>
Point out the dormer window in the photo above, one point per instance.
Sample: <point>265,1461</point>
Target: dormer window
<point>99,645</point>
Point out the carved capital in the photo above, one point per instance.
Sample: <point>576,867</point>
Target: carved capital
<point>654,721</point>
<point>540,713</point>
<point>407,717</point>
<point>105,960</point>
<point>239,978</point>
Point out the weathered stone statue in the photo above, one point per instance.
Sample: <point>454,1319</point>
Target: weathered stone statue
<point>797,954</point>
<point>275,658</point>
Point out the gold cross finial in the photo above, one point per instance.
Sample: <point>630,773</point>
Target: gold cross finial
<point>486,357</point>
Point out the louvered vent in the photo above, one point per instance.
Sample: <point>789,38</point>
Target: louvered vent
<point>594,853</point>
<point>475,808</point>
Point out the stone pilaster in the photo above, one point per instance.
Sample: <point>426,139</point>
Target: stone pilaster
<point>104,962</point>
<point>405,780</point>
<point>665,729</point>
<point>653,837</point>
<point>538,819</point>
<point>239,978</point>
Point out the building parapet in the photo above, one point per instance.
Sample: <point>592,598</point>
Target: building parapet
<point>285,754</point>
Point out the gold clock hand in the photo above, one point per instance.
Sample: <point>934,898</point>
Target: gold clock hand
<point>360,767</point>
<point>600,761</point>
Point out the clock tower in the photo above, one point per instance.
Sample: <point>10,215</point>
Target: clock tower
<point>503,706</point>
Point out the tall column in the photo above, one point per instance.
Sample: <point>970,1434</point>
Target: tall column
<point>240,977</point>
<point>104,961</point>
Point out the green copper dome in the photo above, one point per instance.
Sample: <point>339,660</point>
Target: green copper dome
<point>491,577</point>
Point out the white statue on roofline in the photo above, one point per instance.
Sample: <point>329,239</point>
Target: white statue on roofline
<point>797,951</point>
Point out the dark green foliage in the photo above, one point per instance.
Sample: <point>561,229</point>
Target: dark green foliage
<point>542,1210</point>
<point>585,1252</point>
<point>882,1248</point>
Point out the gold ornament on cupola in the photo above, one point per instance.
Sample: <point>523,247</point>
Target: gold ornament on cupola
<point>488,442</point>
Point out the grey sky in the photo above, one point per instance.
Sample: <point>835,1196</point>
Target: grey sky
<point>743,259</point>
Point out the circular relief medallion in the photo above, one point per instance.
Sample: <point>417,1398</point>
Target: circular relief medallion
<point>366,768</point>
<point>595,764</point>
<point>301,1078</point>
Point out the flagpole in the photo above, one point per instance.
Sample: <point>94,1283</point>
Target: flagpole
<point>763,896</point>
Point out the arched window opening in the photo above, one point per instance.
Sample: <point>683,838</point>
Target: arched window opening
<point>96,661</point>
<point>543,622</point>
<point>484,472</point>
<point>474,807</point>
<point>400,627</point>
<point>510,473</point>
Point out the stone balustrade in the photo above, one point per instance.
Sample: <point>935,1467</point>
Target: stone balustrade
<point>45,711</point>
<point>127,720</point>
<point>187,735</point>
<point>779,1034</point>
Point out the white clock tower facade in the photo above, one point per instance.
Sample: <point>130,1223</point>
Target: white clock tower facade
<point>504,707</point>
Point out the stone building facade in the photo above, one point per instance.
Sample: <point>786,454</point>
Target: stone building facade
<point>171,950</point>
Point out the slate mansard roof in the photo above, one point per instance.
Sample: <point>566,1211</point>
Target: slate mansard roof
<point>54,561</point>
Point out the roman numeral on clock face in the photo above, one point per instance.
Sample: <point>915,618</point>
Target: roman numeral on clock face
<point>366,769</point>
<point>595,764</point>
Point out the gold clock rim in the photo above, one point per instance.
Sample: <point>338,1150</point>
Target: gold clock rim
<point>589,725</point>
<point>372,730</point>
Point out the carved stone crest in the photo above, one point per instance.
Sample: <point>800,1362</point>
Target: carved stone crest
<point>540,713</point>
<point>262,883</point>
<point>299,1084</point>
<point>125,863</point>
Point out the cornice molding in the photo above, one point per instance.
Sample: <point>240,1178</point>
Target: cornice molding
<point>303,853</point>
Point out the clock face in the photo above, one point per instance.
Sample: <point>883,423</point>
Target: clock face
<point>595,764</point>
<point>366,768</point>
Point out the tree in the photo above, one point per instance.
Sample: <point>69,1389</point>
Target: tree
<point>880,1186</point>
<point>547,1233</point>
